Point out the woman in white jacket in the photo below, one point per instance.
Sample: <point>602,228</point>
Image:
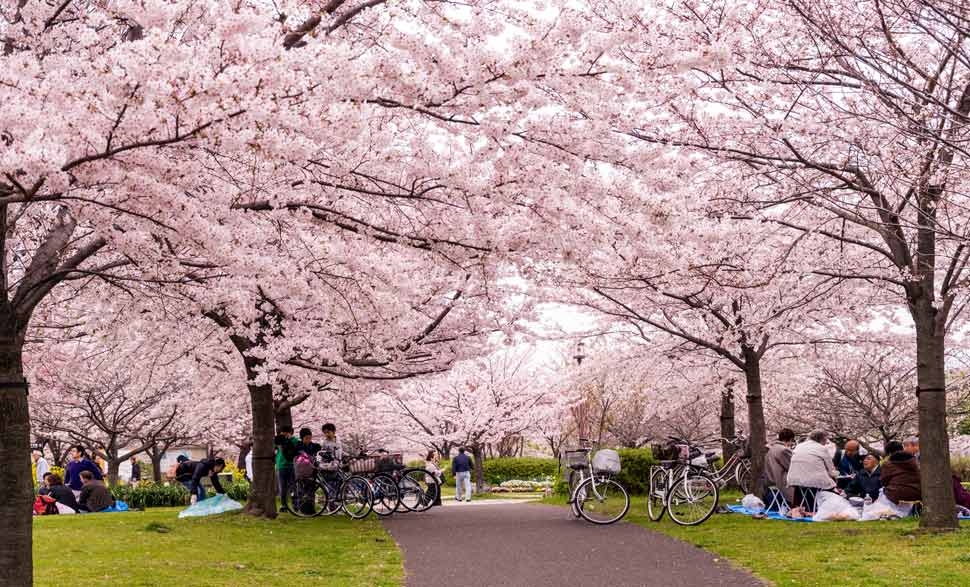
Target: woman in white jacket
<point>811,470</point>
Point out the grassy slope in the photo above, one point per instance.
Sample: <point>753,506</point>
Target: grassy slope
<point>869,554</point>
<point>124,549</point>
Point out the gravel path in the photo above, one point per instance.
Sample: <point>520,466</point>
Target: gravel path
<point>472,545</point>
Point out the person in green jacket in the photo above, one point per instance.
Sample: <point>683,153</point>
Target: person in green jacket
<point>286,450</point>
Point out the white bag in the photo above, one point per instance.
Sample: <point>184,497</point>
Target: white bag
<point>753,503</point>
<point>64,509</point>
<point>832,507</point>
<point>883,508</point>
<point>606,461</point>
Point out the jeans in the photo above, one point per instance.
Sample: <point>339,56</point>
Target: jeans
<point>463,478</point>
<point>285,476</point>
<point>200,492</point>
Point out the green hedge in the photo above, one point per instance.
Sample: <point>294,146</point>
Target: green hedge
<point>524,468</point>
<point>151,495</point>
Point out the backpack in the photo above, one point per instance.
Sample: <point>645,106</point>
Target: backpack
<point>45,505</point>
<point>303,466</point>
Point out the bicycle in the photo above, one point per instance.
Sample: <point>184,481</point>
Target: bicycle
<point>321,494</point>
<point>597,498</point>
<point>737,469</point>
<point>416,488</point>
<point>688,496</point>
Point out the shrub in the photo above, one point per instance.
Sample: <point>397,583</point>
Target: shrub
<point>635,469</point>
<point>237,473</point>
<point>238,490</point>
<point>151,495</point>
<point>961,467</point>
<point>526,468</point>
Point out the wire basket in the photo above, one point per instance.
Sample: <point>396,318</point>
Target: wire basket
<point>390,462</point>
<point>576,459</point>
<point>364,465</point>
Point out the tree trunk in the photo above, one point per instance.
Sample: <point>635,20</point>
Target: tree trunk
<point>284,417</point>
<point>262,493</point>
<point>113,466</point>
<point>479,455</point>
<point>244,449</point>
<point>757,440</point>
<point>937,489</point>
<point>16,485</point>
<point>727,420</point>
<point>156,459</point>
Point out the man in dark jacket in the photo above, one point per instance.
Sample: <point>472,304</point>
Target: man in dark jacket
<point>867,481</point>
<point>206,468</point>
<point>79,462</point>
<point>900,475</point>
<point>95,496</point>
<point>461,466</point>
<point>184,471</point>
<point>135,472</point>
<point>848,462</point>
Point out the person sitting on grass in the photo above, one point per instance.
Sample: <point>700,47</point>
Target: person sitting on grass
<point>866,482</point>
<point>811,471</point>
<point>95,496</point>
<point>54,487</point>
<point>206,468</point>
<point>777,463</point>
<point>848,462</point>
<point>900,475</point>
<point>911,445</point>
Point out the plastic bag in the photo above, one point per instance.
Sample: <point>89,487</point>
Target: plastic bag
<point>606,461</point>
<point>64,509</point>
<point>303,466</point>
<point>753,503</point>
<point>884,508</point>
<point>219,504</point>
<point>832,507</point>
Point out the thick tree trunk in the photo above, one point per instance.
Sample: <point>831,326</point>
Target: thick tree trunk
<point>284,417</point>
<point>479,455</point>
<point>262,493</point>
<point>113,466</point>
<point>16,485</point>
<point>757,440</point>
<point>938,502</point>
<point>727,421</point>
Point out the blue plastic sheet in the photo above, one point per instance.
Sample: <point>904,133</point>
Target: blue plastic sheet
<point>219,504</point>
<point>737,509</point>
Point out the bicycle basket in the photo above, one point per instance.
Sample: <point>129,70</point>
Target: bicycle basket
<point>575,459</point>
<point>606,461</point>
<point>364,465</point>
<point>391,462</point>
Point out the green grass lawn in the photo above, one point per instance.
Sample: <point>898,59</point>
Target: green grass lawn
<point>128,549</point>
<point>846,554</point>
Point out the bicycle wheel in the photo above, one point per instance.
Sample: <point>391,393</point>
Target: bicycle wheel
<point>418,490</point>
<point>576,477</point>
<point>657,498</point>
<point>602,501</point>
<point>306,498</point>
<point>356,497</point>
<point>743,477</point>
<point>692,500</point>
<point>386,496</point>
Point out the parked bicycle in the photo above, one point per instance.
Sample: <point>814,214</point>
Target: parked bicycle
<point>396,487</point>
<point>330,489</point>
<point>735,471</point>
<point>595,496</point>
<point>686,493</point>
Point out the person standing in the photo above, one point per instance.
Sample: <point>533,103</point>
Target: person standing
<point>135,472</point>
<point>286,450</point>
<point>432,464</point>
<point>43,467</point>
<point>249,465</point>
<point>461,466</point>
<point>79,463</point>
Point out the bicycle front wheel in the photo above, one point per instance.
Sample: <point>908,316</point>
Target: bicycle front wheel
<point>657,498</point>
<point>602,501</point>
<point>305,498</point>
<point>418,489</point>
<point>356,497</point>
<point>692,500</point>
<point>386,496</point>
<point>743,476</point>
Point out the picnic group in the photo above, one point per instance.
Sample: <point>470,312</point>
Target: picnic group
<point>83,490</point>
<point>815,480</point>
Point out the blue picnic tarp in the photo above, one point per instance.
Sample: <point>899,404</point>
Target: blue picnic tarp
<point>737,509</point>
<point>218,504</point>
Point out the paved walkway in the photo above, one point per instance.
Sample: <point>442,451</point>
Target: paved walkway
<point>521,544</point>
